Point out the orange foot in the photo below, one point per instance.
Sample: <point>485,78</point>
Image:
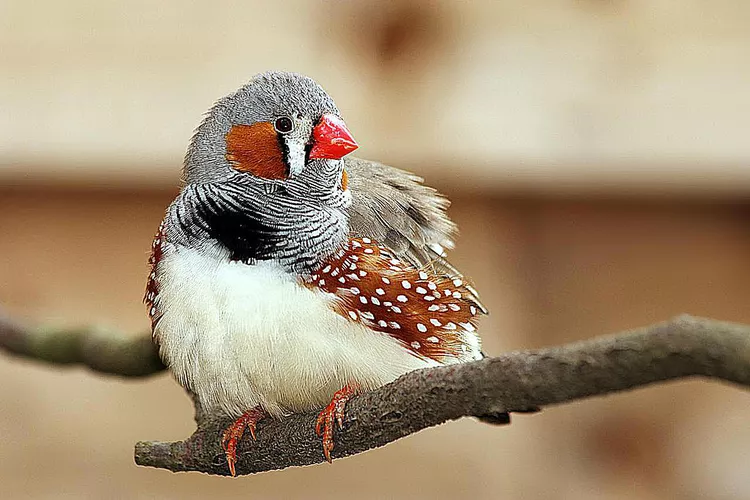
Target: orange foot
<point>334,411</point>
<point>234,432</point>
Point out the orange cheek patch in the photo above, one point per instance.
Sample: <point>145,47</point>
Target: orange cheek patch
<point>255,149</point>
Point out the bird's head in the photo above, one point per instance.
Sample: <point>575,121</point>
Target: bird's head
<point>280,129</point>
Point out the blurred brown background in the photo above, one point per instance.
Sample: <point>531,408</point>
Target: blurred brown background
<point>598,160</point>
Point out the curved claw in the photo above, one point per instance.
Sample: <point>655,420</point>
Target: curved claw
<point>234,432</point>
<point>333,412</point>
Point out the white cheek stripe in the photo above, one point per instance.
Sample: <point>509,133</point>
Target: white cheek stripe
<point>295,156</point>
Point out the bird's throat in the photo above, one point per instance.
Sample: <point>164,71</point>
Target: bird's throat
<point>251,228</point>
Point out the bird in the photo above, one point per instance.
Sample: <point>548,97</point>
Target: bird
<point>287,276</point>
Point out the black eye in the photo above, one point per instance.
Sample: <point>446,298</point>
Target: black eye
<point>283,125</point>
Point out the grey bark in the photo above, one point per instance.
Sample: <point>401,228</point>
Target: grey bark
<point>515,382</point>
<point>101,350</point>
<point>522,381</point>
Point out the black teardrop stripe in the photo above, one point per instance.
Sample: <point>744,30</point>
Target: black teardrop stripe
<point>284,153</point>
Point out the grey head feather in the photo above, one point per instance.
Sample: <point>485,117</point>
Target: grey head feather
<point>264,98</point>
<point>296,221</point>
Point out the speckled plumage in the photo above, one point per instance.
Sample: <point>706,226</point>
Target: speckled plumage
<point>276,287</point>
<point>431,315</point>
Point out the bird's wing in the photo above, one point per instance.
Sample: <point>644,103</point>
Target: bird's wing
<point>393,207</point>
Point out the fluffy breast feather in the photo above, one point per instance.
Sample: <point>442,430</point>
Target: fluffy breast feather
<point>243,335</point>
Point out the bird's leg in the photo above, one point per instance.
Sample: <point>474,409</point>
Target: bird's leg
<point>333,412</point>
<point>233,433</point>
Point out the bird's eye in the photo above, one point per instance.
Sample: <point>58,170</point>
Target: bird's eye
<point>283,125</point>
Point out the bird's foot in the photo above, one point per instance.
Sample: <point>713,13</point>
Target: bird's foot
<point>333,412</point>
<point>233,433</point>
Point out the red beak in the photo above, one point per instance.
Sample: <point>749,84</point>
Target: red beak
<point>331,139</point>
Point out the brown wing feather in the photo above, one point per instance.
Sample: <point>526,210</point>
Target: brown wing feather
<point>392,206</point>
<point>433,316</point>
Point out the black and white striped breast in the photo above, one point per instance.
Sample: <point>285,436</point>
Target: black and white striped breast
<point>256,224</point>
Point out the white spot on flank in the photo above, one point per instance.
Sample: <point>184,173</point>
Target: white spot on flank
<point>416,345</point>
<point>335,272</point>
<point>457,282</point>
<point>396,309</point>
<point>342,280</point>
<point>354,290</point>
<point>473,310</point>
<point>369,250</point>
<point>422,275</point>
<point>362,273</point>
<point>366,240</point>
<point>322,282</point>
<point>375,301</point>
<point>454,307</point>
<point>153,311</point>
<point>356,244</point>
<point>421,290</point>
<point>433,307</point>
<point>450,326</point>
<point>353,276</point>
<point>421,327</point>
<point>394,325</point>
<point>380,291</point>
<point>387,303</point>
<point>353,315</point>
<point>326,269</point>
<point>456,295</point>
<point>352,267</point>
<point>363,299</point>
<point>429,298</point>
<point>435,322</point>
<point>447,292</point>
<point>382,324</point>
<point>395,262</point>
<point>354,258</point>
<point>468,327</point>
<point>433,339</point>
<point>367,315</point>
<point>431,286</point>
<point>386,280</point>
<point>402,298</point>
<point>406,284</point>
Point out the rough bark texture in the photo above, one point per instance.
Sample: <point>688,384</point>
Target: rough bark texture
<point>515,382</point>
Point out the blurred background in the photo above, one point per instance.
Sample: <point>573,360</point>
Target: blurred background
<point>596,153</point>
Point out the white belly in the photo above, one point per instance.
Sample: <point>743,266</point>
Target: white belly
<point>243,335</point>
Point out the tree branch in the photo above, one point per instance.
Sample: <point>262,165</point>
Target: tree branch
<point>100,350</point>
<point>515,382</point>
